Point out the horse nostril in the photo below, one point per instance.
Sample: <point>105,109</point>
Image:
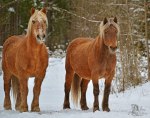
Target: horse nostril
<point>44,36</point>
<point>38,36</point>
<point>113,48</point>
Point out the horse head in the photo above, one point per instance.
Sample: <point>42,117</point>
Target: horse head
<point>38,24</point>
<point>109,31</point>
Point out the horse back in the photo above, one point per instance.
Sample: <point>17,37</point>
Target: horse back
<point>82,43</point>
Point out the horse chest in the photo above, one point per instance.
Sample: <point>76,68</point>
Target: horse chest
<point>109,68</point>
<point>106,67</point>
<point>33,63</point>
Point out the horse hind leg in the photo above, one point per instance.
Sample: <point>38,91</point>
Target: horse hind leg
<point>16,92</point>
<point>67,85</point>
<point>7,87</point>
<point>84,85</point>
<point>18,101</point>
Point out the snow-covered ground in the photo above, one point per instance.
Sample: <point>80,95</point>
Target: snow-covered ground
<point>130,104</point>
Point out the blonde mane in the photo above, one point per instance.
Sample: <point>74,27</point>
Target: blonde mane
<point>34,16</point>
<point>103,27</point>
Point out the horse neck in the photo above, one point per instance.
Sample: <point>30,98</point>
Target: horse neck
<point>101,50</point>
<point>31,44</point>
<point>31,40</point>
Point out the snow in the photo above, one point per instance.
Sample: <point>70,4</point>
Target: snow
<point>139,10</point>
<point>11,9</point>
<point>134,102</point>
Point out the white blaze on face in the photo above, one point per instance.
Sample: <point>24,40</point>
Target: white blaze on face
<point>40,30</point>
<point>111,51</point>
<point>35,33</point>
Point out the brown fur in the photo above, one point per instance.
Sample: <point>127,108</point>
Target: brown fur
<point>23,57</point>
<point>92,59</point>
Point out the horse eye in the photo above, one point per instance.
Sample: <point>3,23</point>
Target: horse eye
<point>106,31</point>
<point>33,21</point>
<point>45,21</point>
<point>116,31</point>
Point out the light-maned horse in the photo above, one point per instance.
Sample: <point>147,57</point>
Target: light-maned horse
<point>90,59</point>
<point>25,56</point>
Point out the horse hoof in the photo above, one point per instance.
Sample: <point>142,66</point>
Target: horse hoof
<point>8,107</point>
<point>23,109</point>
<point>84,108</point>
<point>35,109</point>
<point>66,107</point>
<point>106,109</point>
<point>96,109</point>
<point>17,108</point>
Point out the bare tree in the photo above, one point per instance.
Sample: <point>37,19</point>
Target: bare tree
<point>146,38</point>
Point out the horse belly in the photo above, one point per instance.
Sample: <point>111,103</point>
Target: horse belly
<point>82,71</point>
<point>79,64</point>
<point>77,54</point>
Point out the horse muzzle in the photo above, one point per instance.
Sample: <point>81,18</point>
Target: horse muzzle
<point>41,39</point>
<point>112,49</point>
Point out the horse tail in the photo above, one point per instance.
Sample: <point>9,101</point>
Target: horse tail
<point>15,86</point>
<point>75,89</point>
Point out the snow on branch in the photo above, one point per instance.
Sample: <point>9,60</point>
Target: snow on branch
<point>131,4</point>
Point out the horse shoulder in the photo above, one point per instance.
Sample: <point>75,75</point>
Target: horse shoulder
<point>42,60</point>
<point>111,63</point>
<point>22,57</point>
<point>43,53</point>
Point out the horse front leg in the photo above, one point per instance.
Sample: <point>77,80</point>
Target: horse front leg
<point>96,94</point>
<point>36,93</point>
<point>24,94</point>
<point>105,105</point>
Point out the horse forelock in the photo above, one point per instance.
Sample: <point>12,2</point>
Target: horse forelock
<point>103,27</point>
<point>39,16</point>
<point>42,16</point>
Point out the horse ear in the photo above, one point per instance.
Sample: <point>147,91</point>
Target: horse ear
<point>44,10</point>
<point>115,20</point>
<point>32,10</point>
<point>105,20</point>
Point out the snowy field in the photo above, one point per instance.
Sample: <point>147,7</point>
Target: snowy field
<point>130,104</point>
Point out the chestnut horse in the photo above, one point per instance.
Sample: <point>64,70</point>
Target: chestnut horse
<point>25,56</point>
<point>90,59</point>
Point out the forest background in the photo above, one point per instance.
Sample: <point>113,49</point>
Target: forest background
<point>69,19</point>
